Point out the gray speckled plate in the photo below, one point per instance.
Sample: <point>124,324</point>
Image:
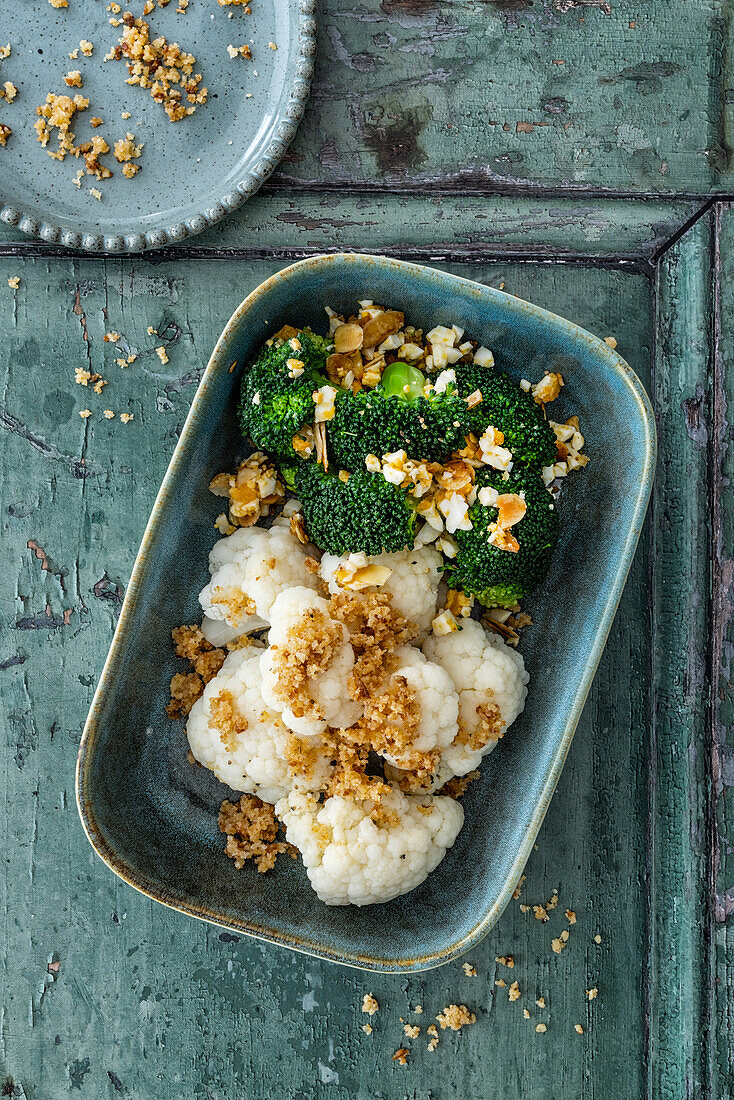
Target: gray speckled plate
<point>194,171</point>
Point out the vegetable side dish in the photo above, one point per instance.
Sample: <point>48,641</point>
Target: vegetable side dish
<point>356,657</point>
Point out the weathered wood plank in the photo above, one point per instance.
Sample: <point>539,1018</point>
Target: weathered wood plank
<point>680,930</point>
<point>616,97</point>
<point>147,1003</point>
<point>463,227</point>
<point>721,867</point>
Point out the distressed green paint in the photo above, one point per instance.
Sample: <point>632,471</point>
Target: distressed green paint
<point>681,931</point>
<point>520,94</point>
<point>461,226</point>
<point>160,1001</point>
<point>723,695</point>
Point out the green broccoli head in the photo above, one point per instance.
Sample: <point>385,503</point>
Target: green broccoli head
<point>499,578</point>
<point>275,400</point>
<point>397,414</point>
<point>364,513</point>
<point>507,407</point>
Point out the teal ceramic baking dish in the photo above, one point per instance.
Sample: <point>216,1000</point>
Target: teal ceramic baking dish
<point>153,818</point>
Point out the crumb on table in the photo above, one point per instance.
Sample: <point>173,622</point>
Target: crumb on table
<point>369,1004</point>
<point>455,1017</point>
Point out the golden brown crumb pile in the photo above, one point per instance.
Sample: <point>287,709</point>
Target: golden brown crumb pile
<point>251,828</point>
<point>312,645</point>
<point>206,661</point>
<point>401,1056</point>
<point>163,67</point>
<point>455,1017</point>
<point>376,630</point>
<point>370,1004</point>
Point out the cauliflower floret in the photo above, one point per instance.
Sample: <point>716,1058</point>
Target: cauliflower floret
<point>436,723</point>
<point>243,742</point>
<point>412,584</point>
<point>249,570</point>
<point>352,860</point>
<point>303,635</point>
<point>485,673</point>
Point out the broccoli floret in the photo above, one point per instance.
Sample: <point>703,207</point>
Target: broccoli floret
<point>273,406</point>
<point>499,578</point>
<point>428,426</point>
<point>363,513</point>
<point>507,407</point>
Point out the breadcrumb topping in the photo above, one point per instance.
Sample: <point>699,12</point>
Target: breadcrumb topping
<point>312,644</point>
<point>251,828</point>
<point>376,629</point>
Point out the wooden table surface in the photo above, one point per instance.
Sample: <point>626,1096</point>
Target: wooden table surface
<point>579,153</point>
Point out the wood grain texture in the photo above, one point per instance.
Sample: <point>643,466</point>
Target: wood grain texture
<point>462,227</point>
<point>614,97</point>
<point>681,931</point>
<point>149,1004</point>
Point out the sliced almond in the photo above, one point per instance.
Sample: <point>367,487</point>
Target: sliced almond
<point>322,456</point>
<point>474,399</point>
<point>510,510</point>
<point>298,528</point>
<point>348,338</point>
<point>286,332</point>
<point>378,328</point>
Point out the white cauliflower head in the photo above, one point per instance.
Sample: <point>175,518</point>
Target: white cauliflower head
<point>233,733</point>
<point>412,584</point>
<point>249,570</point>
<point>432,725</point>
<point>352,860</point>
<point>303,637</point>
<point>487,674</point>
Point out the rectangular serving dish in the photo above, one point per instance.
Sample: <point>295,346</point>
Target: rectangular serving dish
<point>153,818</point>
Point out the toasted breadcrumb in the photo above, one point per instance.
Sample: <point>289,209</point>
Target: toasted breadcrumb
<point>500,982</point>
<point>252,490</point>
<point>418,1010</point>
<point>505,960</point>
<point>5,51</point>
<point>312,644</point>
<point>540,1028</point>
<point>85,413</point>
<point>456,1017</point>
<point>367,1029</point>
<point>401,1056</point>
<point>14,281</point>
<point>597,938</point>
<point>86,47</point>
<point>163,67</point>
<point>469,970</point>
<point>412,1031</point>
<point>514,991</point>
<point>540,1002</point>
<point>59,3</point>
<point>526,1014</point>
<point>111,337</point>
<point>578,1028</point>
<point>376,630</point>
<point>559,942</point>
<point>108,414</point>
<point>591,994</point>
<point>8,91</point>
<point>162,354</point>
<point>95,193</point>
<point>370,1004</point>
<point>433,1032</point>
<point>610,342</point>
<point>240,51</point>
<point>251,828</point>
<point>518,888</point>
<point>570,916</point>
<point>73,79</point>
<point>5,133</point>
<point>126,417</point>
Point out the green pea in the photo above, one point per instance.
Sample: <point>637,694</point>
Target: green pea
<point>402,380</point>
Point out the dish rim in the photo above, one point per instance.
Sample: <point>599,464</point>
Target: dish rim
<point>121,244</point>
<point>220,360</point>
